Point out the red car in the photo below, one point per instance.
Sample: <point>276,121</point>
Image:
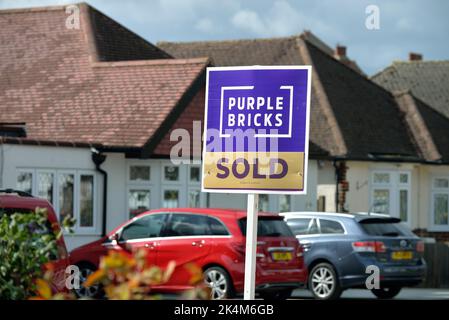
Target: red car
<point>12,201</point>
<point>214,239</point>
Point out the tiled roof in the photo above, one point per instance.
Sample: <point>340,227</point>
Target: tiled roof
<point>427,80</point>
<point>429,128</point>
<point>71,86</point>
<point>351,117</point>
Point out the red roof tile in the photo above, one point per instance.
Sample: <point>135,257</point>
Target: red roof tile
<point>65,85</point>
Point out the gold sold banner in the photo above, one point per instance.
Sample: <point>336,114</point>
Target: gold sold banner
<point>256,129</point>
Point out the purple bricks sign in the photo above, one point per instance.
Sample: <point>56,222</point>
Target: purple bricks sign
<point>256,129</point>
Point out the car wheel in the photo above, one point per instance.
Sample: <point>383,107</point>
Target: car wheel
<point>387,292</point>
<point>94,291</point>
<point>323,282</point>
<point>276,295</point>
<point>219,282</point>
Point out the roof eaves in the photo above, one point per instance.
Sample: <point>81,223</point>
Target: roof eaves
<point>339,142</point>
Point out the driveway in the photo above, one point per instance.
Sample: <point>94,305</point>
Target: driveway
<point>405,294</point>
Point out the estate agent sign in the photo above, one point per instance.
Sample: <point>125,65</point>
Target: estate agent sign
<point>256,129</point>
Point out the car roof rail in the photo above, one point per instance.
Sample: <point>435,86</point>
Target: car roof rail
<point>18,192</point>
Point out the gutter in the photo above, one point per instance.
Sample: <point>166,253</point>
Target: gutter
<point>98,159</point>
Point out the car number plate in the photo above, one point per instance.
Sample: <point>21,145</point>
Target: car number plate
<point>281,256</point>
<point>402,255</point>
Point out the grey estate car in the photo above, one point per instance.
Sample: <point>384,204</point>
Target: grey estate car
<point>338,248</point>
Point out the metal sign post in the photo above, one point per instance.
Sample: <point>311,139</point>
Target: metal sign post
<point>251,246</point>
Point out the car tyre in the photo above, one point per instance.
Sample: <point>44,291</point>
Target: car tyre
<point>276,295</point>
<point>92,292</point>
<point>219,282</point>
<point>386,292</point>
<point>323,282</point>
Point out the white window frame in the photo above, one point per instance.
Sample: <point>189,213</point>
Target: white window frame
<point>76,196</point>
<point>171,188</point>
<point>36,182</point>
<point>434,191</point>
<point>137,182</point>
<point>138,187</point>
<point>180,174</point>
<point>194,186</point>
<point>80,173</point>
<point>394,187</point>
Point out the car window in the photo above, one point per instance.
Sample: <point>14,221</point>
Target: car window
<point>268,227</point>
<point>216,227</point>
<point>187,225</point>
<point>149,226</point>
<point>299,226</point>
<point>386,228</point>
<point>331,227</point>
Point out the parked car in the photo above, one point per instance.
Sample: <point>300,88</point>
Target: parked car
<point>12,201</point>
<point>214,239</point>
<point>338,248</point>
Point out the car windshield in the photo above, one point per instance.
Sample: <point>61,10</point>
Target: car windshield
<point>268,227</point>
<point>385,228</point>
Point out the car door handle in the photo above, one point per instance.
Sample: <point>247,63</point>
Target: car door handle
<point>150,245</point>
<point>198,243</point>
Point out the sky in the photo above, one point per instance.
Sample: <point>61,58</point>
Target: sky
<point>404,26</point>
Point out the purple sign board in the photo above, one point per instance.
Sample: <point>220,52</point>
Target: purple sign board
<point>256,129</point>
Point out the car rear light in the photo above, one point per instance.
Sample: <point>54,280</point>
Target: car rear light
<point>420,246</point>
<point>299,252</point>
<point>369,246</point>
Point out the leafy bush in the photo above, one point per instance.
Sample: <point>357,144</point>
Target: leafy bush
<point>27,243</point>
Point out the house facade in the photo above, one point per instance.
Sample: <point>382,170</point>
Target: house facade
<point>87,116</point>
<point>88,120</point>
<point>386,149</point>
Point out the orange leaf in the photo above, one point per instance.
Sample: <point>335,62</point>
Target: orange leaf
<point>43,288</point>
<point>94,278</point>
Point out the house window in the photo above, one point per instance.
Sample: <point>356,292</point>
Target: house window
<point>194,174</point>
<point>440,202</point>
<point>45,185</point>
<point>194,198</point>
<point>171,199</point>
<point>72,193</point>
<point>285,203</point>
<point>264,202</point>
<point>390,193</point>
<point>25,182</point>
<point>139,173</point>
<point>381,201</point>
<point>66,195</point>
<point>86,200</point>
<point>138,201</point>
<point>171,173</point>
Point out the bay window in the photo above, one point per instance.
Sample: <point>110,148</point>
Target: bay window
<point>71,193</point>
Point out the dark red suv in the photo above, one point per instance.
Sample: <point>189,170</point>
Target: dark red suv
<point>214,239</point>
<point>12,201</point>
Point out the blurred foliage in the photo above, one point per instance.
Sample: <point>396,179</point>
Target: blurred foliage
<point>129,276</point>
<point>27,243</point>
<point>125,276</point>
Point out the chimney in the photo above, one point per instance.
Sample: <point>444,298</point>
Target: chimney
<point>340,51</point>
<point>414,56</point>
